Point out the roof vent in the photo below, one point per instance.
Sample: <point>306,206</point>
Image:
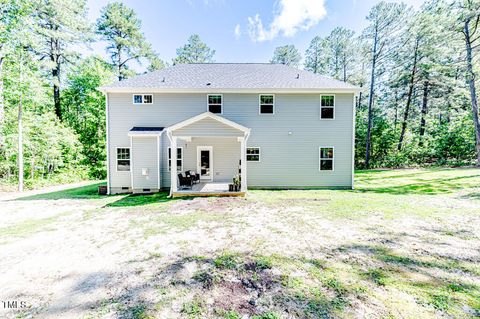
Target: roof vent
<point>298,76</point>
<point>163,80</point>
<point>208,83</point>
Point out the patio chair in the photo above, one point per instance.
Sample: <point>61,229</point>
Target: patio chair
<point>194,176</point>
<point>185,182</point>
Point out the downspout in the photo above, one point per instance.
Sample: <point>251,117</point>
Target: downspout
<point>169,135</point>
<point>107,129</point>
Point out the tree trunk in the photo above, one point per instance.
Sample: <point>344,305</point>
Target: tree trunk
<point>396,111</point>
<point>471,83</point>
<point>409,97</point>
<point>56,91</point>
<point>20,144</point>
<point>370,101</point>
<point>424,112</point>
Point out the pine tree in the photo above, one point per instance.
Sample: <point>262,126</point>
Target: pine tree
<point>287,55</point>
<point>120,27</point>
<point>60,24</point>
<point>194,51</point>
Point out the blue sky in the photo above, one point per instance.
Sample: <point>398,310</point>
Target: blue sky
<point>241,31</point>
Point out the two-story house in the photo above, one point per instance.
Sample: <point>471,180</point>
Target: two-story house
<point>272,125</point>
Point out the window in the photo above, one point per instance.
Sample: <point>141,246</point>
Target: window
<point>327,107</point>
<point>179,158</point>
<point>215,103</point>
<point>326,159</point>
<point>142,99</point>
<point>123,159</point>
<point>267,104</point>
<point>253,154</point>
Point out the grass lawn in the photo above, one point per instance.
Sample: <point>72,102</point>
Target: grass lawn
<point>403,244</point>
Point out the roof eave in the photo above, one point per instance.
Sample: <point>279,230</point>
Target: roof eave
<point>227,90</point>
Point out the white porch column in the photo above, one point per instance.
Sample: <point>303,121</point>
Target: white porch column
<point>243,166</point>
<point>173,161</point>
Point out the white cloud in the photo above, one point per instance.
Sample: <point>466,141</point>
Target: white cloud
<point>289,18</point>
<point>237,31</point>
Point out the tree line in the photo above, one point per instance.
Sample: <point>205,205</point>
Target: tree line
<point>417,71</point>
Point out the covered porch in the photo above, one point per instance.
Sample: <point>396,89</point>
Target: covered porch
<point>213,148</point>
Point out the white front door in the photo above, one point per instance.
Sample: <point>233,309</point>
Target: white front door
<point>205,162</point>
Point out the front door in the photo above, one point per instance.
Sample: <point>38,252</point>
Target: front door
<point>205,162</point>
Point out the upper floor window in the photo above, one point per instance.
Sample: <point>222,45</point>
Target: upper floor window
<point>267,104</point>
<point>327,106</point>
<point>123,159</point>
<point>326,159</point>
<point>253,154</point>
<point>215,103</point>
<point>142,99</point>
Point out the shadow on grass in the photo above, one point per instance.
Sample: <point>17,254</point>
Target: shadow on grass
<point>84,192</point>
<point>143,199</point>
<point>427,187</point>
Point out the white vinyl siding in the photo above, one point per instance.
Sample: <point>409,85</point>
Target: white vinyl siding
<point>298,151</point>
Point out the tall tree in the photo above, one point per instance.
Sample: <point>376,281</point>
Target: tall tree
<point>385,19</point>
<point>287,55</point>
<point>316,56</point>
<point>341,45</point>
<point>85,110</point>
<point>469,19</point>
<point>120,27</point>
<point>194,51</point>
<point>60,24</point>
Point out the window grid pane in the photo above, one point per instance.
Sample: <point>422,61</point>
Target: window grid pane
<point>328,100</point>
<point>214,99</point>
<point>253,154</point>
<point>147,99</point>
<point>137,98</point>
<point>326,159</point>
<point>179,158</point>
<point>266,99</point>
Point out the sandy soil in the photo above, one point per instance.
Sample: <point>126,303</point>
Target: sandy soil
<point>80,258</point>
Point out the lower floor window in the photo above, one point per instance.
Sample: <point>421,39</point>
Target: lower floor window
<point>326,159</point>
<point>123,159</point>
<point>179,158</point>
<point>253,154</point>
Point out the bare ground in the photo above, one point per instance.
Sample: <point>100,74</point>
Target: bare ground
<point>297,254</point>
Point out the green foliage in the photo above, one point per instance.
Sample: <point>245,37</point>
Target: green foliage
<point>120,27</point>
<point>227,261</point>
<point>267,315</point>
<point>194,51</point>
<point>287,55</point>
<point>84,111</point>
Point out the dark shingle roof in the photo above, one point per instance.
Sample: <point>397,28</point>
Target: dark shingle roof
<point>146,129</point>
<point>231,76</point>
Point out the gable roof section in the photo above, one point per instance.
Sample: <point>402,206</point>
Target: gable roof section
<point>207,115</point>
<point>218,77</point>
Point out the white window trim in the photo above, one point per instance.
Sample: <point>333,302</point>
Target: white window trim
<point>334,106</point>
<point>221,104</point>
<point>260,104</point>
<point>169,167</point>
<point>143,98</point>
<point>116,159</point>
<point>259,154</point>
<point>320,159</point>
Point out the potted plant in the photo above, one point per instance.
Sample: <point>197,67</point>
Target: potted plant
<point>236,183</point>
<point>230,187</point>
